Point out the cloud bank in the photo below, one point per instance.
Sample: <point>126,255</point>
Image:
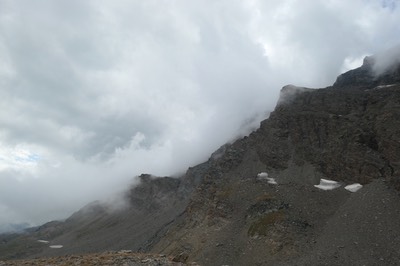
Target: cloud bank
<point>94,93</point>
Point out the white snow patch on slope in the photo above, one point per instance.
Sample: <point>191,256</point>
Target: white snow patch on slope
<point>326,184</point>
<point>353,187</point>
<point>43,241</point>
<point>264,176</point>
<point>384,86</point>
<point>56,246</point>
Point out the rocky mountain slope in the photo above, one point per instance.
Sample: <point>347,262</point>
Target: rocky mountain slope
<point>224,212</point>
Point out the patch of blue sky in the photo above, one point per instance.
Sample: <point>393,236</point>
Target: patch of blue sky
<point>390,4</point>
<point>28,158</point>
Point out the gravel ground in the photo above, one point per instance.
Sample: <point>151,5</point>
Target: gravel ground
<point>363,231</point>
<point>123,258</point>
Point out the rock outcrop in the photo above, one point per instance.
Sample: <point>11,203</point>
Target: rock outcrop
<point>340,133</point>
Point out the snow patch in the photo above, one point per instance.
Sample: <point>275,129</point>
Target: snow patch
<point>326,184</point>
<point>43,241</point>
<point>56,246</point>
<point>384,86</point>
<point>272,181</point>
<point>353,187</point>
<point>264,176</point>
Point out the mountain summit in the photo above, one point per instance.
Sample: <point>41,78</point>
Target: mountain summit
<point>317,184</point>
<point>374,71</point>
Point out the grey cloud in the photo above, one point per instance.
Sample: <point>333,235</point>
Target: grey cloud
<point>104,91</point>
<point>385,60</point>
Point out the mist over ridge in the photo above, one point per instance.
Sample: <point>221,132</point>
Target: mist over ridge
<point>96,93</point>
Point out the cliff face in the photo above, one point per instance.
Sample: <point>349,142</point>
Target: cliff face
<point>223,212</point>
<point>346,134</point>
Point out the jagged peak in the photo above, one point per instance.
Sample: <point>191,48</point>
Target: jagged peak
<point>380,69</point>
<point>368,61</point>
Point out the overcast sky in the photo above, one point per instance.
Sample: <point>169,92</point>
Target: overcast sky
<point>93,93</point>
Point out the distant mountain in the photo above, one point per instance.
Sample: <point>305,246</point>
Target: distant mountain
<point>255,201</point>
<point>13,227</point>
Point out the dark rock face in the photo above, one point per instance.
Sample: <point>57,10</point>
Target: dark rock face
<point>368,76</point>
<point>347,133</point>
<point>359,77</point>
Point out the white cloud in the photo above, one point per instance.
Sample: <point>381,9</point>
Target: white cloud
<point>387,59</point>
<point>352,63</point>
<point>101,91</point>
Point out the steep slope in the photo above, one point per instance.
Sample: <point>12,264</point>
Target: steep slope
<point>222,212</point>
<point>348,132</point>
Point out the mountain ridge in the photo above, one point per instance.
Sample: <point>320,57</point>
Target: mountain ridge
<point>221,212</point>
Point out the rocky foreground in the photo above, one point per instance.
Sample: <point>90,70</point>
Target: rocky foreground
<point>123,258</point>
